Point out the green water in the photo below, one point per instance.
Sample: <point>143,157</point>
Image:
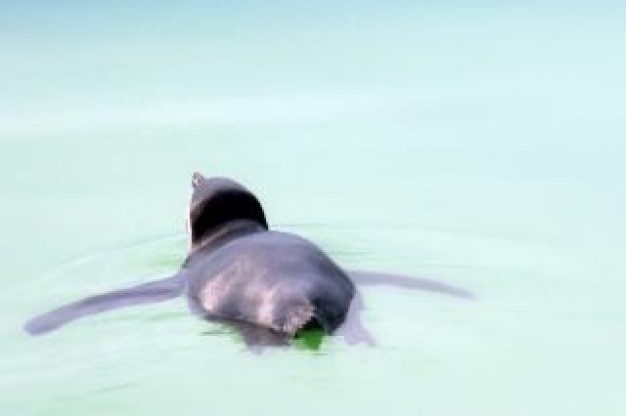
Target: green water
<point>479,146</point>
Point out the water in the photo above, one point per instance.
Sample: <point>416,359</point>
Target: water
<point>480,146</point>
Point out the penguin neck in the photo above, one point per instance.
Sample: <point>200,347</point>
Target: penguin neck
<point>224,233</point>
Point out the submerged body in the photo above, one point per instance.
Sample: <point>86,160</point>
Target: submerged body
<point>272,279</point>
<point>239,271</point>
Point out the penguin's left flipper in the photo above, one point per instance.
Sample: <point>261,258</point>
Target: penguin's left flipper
<point>156,291</point>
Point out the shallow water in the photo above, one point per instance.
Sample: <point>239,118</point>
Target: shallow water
<point>481,147</point>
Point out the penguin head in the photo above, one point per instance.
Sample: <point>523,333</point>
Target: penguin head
<point>216,201</point>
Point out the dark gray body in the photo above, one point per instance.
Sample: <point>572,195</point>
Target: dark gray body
<point>272,279</point>
<point>266,284</point>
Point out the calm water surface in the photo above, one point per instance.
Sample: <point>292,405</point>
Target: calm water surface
<point>482,147</point>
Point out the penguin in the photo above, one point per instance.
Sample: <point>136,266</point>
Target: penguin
<point>240,271</point>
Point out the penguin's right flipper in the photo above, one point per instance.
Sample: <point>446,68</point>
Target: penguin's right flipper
<point>156,291</point>
<point>366,278</point>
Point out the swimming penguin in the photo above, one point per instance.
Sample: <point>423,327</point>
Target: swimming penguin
<point>238,270</point>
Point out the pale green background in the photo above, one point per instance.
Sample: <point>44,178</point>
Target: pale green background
<point>481,144</point>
